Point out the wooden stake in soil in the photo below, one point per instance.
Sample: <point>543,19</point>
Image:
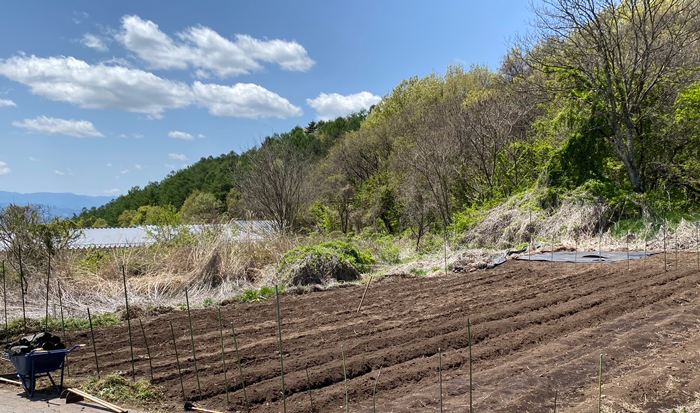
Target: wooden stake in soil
<point>365,293</point>
<point>63,323</point>
<point>600,386</point>
<point>21,287</point>
<point>308,383</point>
<point>675,241</point>
<point>628,251</point>
<point>240,369</point>
<point>128,323</point>
<point>194,356</point>
<point>48,279</point>
<point>345,376</point>
<point>471,383</point>
<point>440,374</point>
<point>374,392</point>
<point>94,347</point>
<point>555,401</point>
<point>4,299</point>
<point>177,359</point>
<point>697,248</point>
<point>665,260</point>
<point>223,357</point>
<point>279,330</point>
<point>148,349</point>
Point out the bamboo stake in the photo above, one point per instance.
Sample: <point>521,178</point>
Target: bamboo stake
<point>21,284</point>
<point>600,386</point>
<point>240,369</point>
<point>675,241</point>
<point>94,347</point>
<point>63,322</point>
<point>279,329</point>
<point>128,323</point>
<point>529,247</point>
<point>345,375</point>
<point>148,349</point>
<point>223,357</point>
<point>48,279</point>
<point>365,293</point>
<point>177,359</point>
<point>665,260</point>
<point>374,392</point>
<point>555,401</point>
<point>308,383</point>
<point>4,299</point>
<point>697,247</point>
<point>471,383</point>
<point>628,251</point>
<point>440,374</point>
<point>194,356</point>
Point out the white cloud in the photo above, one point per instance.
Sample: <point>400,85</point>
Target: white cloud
<point>57,172</point>
<point>180,135</point>
<point>169,166</point>
<point>4,169</point>
<point>114,191</point>
<point>243,100</point>
<point>177,157</point>
<point>7,102</point>
<point>94,42</point>
<point>101,86</point>
<point>109,165</point>
<point>138,136</point>
<point>122,136</point>
<point>207,51</point>
<point>79,16</point>
<point>200,136</point>
<point>331,106</point>
<point>33,159</point>
<point>52,126</point>
<point>124,172</point>
<point>139,167</point>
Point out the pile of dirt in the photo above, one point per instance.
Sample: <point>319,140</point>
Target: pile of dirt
<point>39,341</point>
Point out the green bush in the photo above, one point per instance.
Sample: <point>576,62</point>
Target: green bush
<point>338,260</point>
<point>254,295</point>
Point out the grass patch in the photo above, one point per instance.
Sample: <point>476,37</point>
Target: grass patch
<point>419,272</point>
<point>34,325</point>
<point>257,295</point>
<point>116,389</point>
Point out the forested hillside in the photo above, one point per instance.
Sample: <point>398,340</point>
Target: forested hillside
<point>601,99</point>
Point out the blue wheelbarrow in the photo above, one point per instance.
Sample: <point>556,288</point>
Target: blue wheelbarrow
<point>40,363</point>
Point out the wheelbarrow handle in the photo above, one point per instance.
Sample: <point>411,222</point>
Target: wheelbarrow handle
<point>75,348</point>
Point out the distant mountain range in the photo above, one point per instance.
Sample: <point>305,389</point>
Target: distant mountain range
<point>63,204</point>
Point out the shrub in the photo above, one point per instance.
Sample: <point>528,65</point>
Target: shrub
<point>322,263</point>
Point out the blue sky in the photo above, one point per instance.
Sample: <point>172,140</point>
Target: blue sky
<point>98,97</point>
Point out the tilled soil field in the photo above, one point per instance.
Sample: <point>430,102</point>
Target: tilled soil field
<point>536,328</point>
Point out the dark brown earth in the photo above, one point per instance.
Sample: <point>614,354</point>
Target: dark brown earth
<point>536,328</point>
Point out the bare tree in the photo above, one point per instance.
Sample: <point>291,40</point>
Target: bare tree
<point>274,186</point>
<point>620,55</point>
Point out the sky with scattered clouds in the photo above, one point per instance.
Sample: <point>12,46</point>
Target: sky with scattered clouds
<point>98,97</point>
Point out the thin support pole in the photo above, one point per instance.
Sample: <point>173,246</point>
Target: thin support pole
<point>365,293</point>
<point>21,284</point>
<point>675,241</point>
<point>240,368</point>
<point>440,374</point>
<point>148,349</point>
<point>374,392</point>
<point>194,356</point>
<point>444,243</point>
<point>94,347</point>
<point>665,259</point>
<point>279,330</point>
<point>177,359</point>
<point>128,323</point>
<point>600,246</point>
<point>529,247</point>
<point>628,251</point>
<point>575,250</point>
<point>697,248</point>
<point>555,401</point>
<point>223,357</point>
<point>4,299</point>
<point>345,376</point>
<point>308,384</point>
<point>600,386</point>
<point>48,279</point>
<point>63,322</point>
<point>471,382</point>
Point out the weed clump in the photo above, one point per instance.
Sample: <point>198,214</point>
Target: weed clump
<point>324,263</point>
<point>115,388</point>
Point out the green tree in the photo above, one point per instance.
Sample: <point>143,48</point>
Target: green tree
<point>201,207</point>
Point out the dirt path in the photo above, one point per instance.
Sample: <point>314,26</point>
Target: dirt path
<point>536,328</point>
